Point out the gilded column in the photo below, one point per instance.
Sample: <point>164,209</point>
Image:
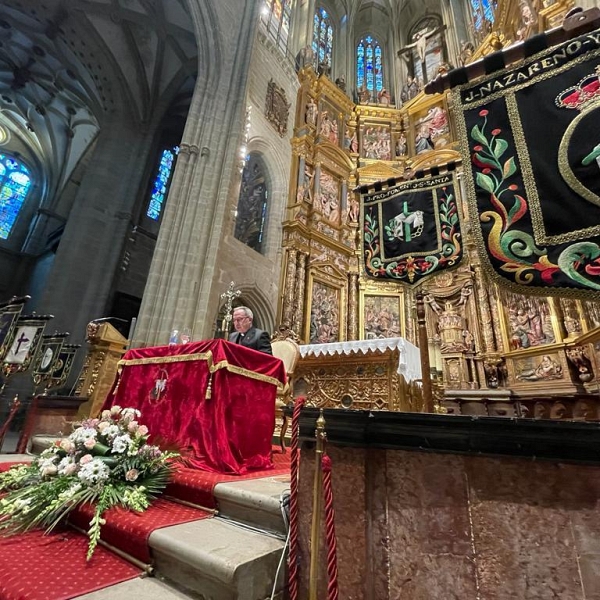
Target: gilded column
<point>494,305</point>
<point>352,306</point>
<point>485,312</point>
<point>289,289</point>
<point>298,316</point>
<point>410,314</point>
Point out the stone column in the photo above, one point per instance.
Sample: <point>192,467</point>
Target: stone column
<point>183,278</point>
<point>79,283</point>
<point>352,306</point>
<point>299,305</point>
<point>289,289</point>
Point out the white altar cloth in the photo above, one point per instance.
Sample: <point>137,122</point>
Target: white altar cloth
<point>409,364</point>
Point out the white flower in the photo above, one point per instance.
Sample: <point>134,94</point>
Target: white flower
<point>94,472</point>
<point>115,410</point>
<point>111,431</point>
<point>81,434</point>
<point>121,444</point>
<point>131,412</point>
<point>67,466</point>
<point>49,470</point>
<point>105,415</point>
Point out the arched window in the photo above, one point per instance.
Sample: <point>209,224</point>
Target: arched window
<point>15,182</point>
<point>162,181</point>
<point>252,204</point>
<point>369,64</point>
<point>322,44</point>
<point>277,15</point>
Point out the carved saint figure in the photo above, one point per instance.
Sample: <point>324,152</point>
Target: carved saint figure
<point>311,112</point>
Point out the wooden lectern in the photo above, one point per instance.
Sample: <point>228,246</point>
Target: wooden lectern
<point>106,348</point>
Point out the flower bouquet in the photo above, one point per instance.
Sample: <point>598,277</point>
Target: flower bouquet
<point>106,461</point>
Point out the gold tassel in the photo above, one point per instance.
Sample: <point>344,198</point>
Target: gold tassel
<point>208,394</point>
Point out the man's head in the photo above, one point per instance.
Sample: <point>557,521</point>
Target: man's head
<point>242,319</point>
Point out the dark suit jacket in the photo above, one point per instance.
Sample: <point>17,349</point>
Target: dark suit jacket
<point>254,338</point>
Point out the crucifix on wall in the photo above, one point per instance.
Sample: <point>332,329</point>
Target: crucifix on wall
<point>426,52</point>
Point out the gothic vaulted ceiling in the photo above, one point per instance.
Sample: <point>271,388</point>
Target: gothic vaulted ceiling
<point>68,66</point>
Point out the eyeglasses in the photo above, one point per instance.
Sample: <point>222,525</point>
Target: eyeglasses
<point>237,319</point>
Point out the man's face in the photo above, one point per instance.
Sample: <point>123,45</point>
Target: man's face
<point>241,321</point>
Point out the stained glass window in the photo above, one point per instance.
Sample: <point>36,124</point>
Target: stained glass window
<point>369,64</point>
<point>277,16</point>
<point>14,186</point>
<point>252,204</point>
<point>162,182</point>
<point>483,15</point>
<point>322,44</point>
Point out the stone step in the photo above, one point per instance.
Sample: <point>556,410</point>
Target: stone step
<point>218,560</point>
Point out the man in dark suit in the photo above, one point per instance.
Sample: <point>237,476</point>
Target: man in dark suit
<point>248,335</point>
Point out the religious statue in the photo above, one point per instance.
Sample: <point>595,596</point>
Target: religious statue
<point>466,52</point>
<point>311,112</point>
<point>304,58</point>
<point>353,208</point>
<point>341,83</point>
<point>548,368</point>
<point>364,95</point>
<point>409,90</point>
<point>423,141</point>
<point>528,21</point>
<point>324,68</point>
<point>384,98</point>
<point>401,145</point>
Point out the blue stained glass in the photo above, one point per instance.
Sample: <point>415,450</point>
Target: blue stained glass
<point>369,64</point>
<point>161,183</point>
<point>322,43</point>
<point>14,186</point>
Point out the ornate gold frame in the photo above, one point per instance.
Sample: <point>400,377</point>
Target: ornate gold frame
<point>331,277</point>
<point>387,290</point>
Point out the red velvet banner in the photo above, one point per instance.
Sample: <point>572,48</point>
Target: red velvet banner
<point>212,399</point>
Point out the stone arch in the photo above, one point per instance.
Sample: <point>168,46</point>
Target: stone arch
<point>252,297</point>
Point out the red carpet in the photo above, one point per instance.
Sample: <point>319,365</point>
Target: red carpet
<point>197,487</point>
<point>34,566</point>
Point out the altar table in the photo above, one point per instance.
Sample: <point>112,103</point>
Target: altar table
<point>382,374</point>
<point>212,400</point>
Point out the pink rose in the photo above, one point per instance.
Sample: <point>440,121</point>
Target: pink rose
<point>89,443</point>
<point>132,475</point>
<point>142,430</point>
<point>85,459</point>
<point>67,445</point>
<point>70,469</point>
<point>132,426</point>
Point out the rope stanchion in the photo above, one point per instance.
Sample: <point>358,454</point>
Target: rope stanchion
<point>331,540</point>
<point>293,567</point>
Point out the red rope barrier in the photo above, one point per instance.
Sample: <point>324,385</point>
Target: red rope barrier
<point>293,567</point>
<point>332,572</point>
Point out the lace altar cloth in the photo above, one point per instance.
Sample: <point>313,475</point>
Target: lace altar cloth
<point>409,364</point>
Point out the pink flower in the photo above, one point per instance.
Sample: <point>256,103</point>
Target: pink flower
<point>513,187</point>
<point>484,113</point>
<point>132,426</point>
<point>67,445</point>
<point>496,131</point>
<point>89,443</point>
<point>85,459</point>
<point>132,475</point>
<point>486,171</point>
<point>478,148</point>
<point>142,430</point>
<point>70,469</point>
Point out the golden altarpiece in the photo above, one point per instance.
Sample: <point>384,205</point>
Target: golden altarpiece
<point>487,346</point>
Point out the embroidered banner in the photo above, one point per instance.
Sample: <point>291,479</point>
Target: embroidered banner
<point>530,140</point>
<point>412,231</point>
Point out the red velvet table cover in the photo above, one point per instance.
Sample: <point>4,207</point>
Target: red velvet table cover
<point>218,402</point>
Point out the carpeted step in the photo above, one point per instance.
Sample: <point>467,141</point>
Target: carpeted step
<point>129,531</point>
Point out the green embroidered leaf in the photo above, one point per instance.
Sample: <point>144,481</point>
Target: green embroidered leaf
<point>500,147</point>
<point>477,135</point>
<point>485,182</point>
<point>509,167</point>
<point>485,160</point>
